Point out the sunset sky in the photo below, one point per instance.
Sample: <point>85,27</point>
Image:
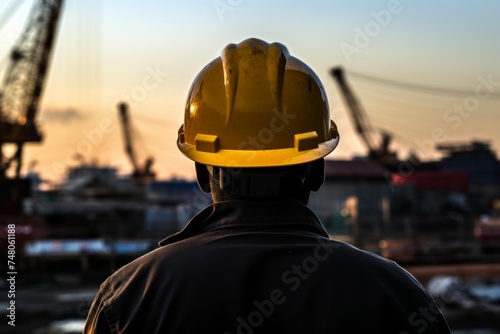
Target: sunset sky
<point>148,52</point>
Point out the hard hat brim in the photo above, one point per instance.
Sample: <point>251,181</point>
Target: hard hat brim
<point>258,158</point>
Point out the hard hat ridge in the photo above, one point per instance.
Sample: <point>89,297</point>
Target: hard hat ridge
<point>268,58</point>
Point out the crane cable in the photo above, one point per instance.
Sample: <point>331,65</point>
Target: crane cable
<point>418,87</point>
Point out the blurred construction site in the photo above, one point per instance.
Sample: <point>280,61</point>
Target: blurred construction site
<point>438,218</point>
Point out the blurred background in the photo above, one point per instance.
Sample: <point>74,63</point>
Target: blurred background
<point>92,94</point>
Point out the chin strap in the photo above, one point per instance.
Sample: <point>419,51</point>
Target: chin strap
<point>247,183</point>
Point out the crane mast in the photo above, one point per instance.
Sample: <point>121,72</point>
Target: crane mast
<point>377,151</point>
<point>24,80</point>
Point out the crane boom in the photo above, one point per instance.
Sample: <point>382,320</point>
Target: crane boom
<point>141,173</point>
<point>129,149</point>
<point>377,150</point>
<point>24,81</point>
<point>356,110</point>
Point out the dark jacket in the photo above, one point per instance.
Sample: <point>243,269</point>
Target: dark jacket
<point>261,267</point>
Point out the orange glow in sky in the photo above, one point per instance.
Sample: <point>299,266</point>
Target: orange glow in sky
<point>147,53</point>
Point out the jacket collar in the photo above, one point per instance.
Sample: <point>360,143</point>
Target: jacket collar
<point>262,215</point>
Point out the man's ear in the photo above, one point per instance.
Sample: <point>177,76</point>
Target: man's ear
<point>203,177</point>
<point>317,174</point>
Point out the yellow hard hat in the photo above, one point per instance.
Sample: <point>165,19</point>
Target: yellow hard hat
<point>256,106</point>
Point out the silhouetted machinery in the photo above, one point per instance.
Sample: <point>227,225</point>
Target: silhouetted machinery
<point>377,141</point>
<point>20,92</point>
<point>141,173</point>
<point>23,83</point>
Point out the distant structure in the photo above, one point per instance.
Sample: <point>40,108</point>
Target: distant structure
<point>377,141</point>
<point>354,199</point>
<point>478,160</point>
<point>95,202</point>
<point>141,173</point>
<point>22,86</point>
<point>20,94</point>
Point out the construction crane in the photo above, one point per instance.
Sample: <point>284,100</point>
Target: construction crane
<point>23,83</point>
<point>141,173</point>
<point>378,149</point>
